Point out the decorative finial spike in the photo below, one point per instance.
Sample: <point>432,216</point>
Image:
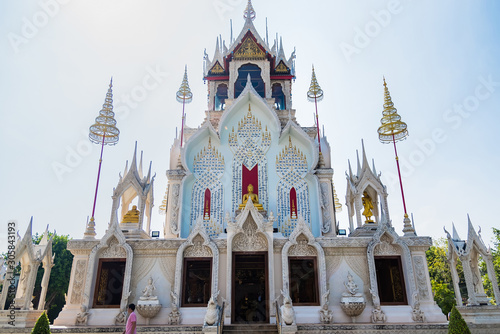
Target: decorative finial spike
<point>350,169</point>
<point>249,13</point>
<point>358,164</point>
<point>140,166</point>
<point>363,153</point>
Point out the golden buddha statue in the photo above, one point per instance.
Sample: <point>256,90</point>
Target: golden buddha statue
<point>368,207</point>
<point>253,197</point>
<point>132,216</point>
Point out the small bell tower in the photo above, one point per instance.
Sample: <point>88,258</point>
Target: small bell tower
<point>133,200</point>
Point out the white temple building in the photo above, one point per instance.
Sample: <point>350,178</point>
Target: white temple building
<point>250,233</point>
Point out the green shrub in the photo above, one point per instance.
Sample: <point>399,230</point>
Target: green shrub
<point>42,325</point>
<point>457,324</point>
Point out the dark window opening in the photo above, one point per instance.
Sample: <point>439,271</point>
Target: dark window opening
<point>109,283</point>
<point>279,97</point>
<point>390,280</point>
<point>255,76</point>
<point>220,97</point>
<point>197,281</point>
<point>303,281</point>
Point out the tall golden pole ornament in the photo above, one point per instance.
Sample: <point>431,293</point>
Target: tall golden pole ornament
<point>393,130</point>
<point>315,94</point>
<point>184,96</point>
<point>103,132</point>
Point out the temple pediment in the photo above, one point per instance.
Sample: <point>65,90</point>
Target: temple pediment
<point>249,49</point>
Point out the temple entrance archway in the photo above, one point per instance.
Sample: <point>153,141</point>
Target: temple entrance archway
<point>250,288</point>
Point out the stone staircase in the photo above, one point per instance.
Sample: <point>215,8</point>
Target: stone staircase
<point>250,328</point>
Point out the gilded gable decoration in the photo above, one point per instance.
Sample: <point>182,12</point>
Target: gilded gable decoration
<point>282,68</point>
<point>216,69</point>
<point>250,50</point>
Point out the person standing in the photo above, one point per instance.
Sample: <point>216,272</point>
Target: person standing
<point>130,328</point>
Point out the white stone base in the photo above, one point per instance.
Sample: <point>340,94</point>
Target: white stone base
<point>22,319</point>
<point>485,314</point>
<point>192,315</point>
<point>307,314</point>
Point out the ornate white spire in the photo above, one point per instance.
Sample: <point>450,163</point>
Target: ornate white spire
<point>249,13</point>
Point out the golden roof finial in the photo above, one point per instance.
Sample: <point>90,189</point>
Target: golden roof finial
<point>184,94</point>
<point>249,13</point>
<point>392,128</point>
<point>209,142</point>
<point>163,206</point>
<point>104,130</point>
<point>338,206</point>
<point>315,93</point>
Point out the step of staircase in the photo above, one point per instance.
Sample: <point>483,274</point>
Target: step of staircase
<point>250,328</point>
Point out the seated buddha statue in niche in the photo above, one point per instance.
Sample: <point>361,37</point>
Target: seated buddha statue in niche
<point>252,197</point>
<point>132,216</point>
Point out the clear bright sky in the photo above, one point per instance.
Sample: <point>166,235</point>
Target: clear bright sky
<point>440,59</point>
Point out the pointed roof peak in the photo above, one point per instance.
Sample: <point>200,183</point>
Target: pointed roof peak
<point>363,153</point>
<point>455,233</point>
<point>45,236</point>
<point>149,171</point>
<point>249,13</point>
<point>373,167</point>
<point>29,230</point>
<point>358,172</point>
<point>140,166</point>
<point>133,164</point>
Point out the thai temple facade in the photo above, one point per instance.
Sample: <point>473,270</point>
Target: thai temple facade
<point>250,233</point>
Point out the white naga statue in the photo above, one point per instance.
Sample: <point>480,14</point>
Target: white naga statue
<point>287,312</point>
<point>211,315</point>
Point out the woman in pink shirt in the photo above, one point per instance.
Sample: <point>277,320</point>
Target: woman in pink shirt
<point>131,321</point>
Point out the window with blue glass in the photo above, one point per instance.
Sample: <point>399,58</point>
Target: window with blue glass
<point>220,97</point>
<point>255,76</point>
<point>278,96</point>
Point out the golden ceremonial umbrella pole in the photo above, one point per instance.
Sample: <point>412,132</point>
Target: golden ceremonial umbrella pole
<point>315,94</point>
<point>184,96</point>
<point>103,132</point>
<point>393,130</point>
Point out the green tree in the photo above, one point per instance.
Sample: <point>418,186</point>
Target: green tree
<point>42,325</point>
<point>440,275</point>
<point>59,276</point>
<point>495,251</point>
<point>457,324</point>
